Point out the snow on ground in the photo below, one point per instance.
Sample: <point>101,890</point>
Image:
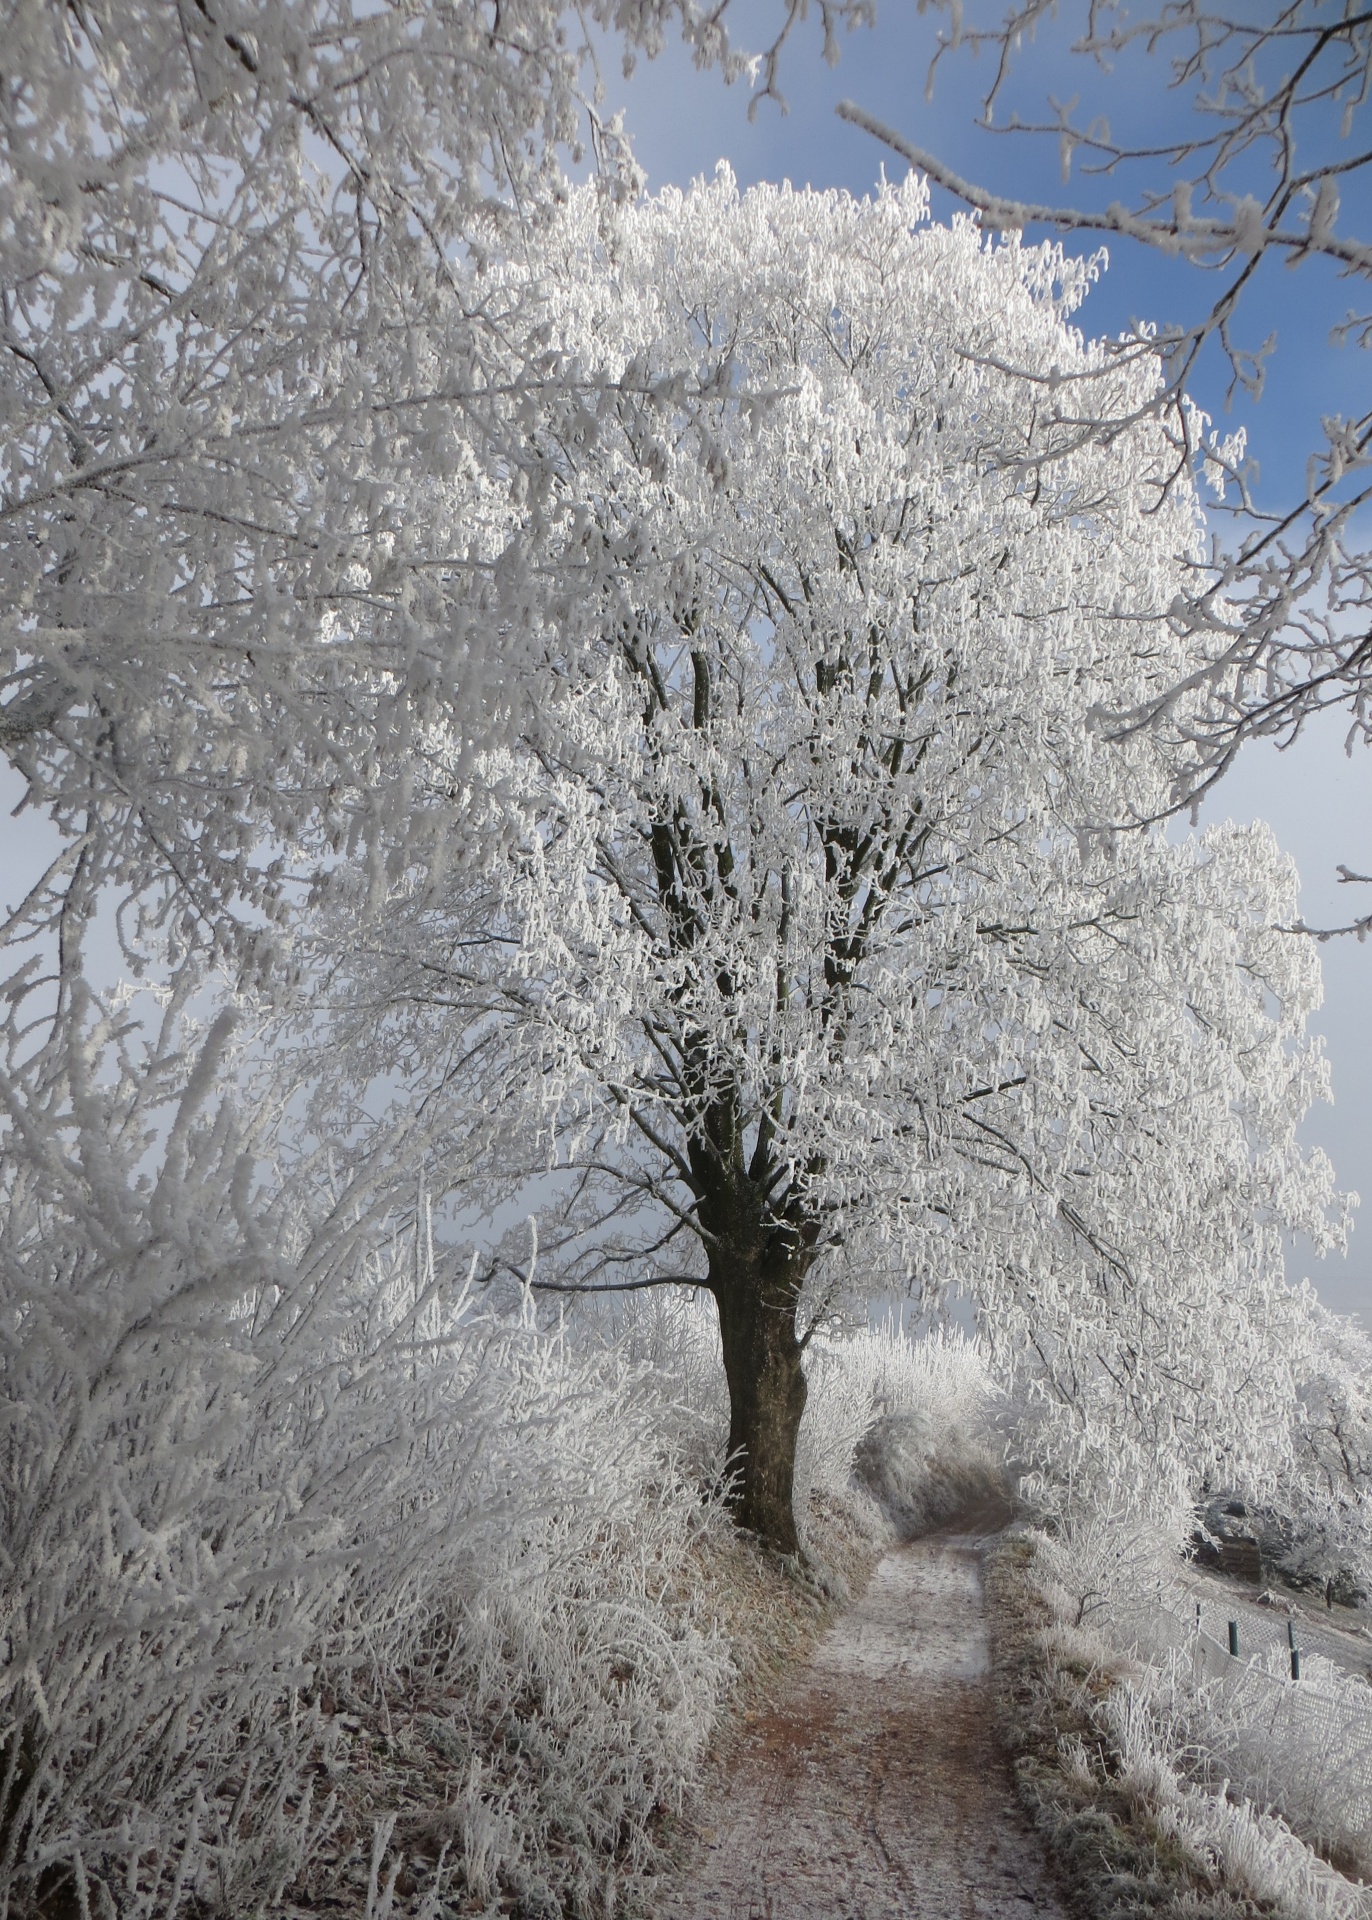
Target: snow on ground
<point>877,1787</point>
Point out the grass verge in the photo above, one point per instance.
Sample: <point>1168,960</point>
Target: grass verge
<point>1112,1848</point>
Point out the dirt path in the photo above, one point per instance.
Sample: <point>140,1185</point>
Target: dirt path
<point>876,1790</point>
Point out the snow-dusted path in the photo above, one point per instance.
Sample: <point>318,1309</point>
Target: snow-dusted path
<point>876,1790</point>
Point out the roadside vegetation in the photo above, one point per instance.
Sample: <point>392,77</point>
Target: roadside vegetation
<point>451,1619</point>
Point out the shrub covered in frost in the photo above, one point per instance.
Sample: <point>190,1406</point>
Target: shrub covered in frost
<point>267,1478</point>
<point>1249,1771</point>
<point>932,1449</point>
<point>673,1334</point>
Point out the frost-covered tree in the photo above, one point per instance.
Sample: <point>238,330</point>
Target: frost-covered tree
<point>1239,140</point>
<point>800,959</point>
<point>243,326</point>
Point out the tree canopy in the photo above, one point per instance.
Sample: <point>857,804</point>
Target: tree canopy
<point>806,954</point>
<point>243,326</point>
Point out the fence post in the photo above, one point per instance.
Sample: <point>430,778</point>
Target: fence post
<point>1295,1663</point>
<point>1234,1638</point>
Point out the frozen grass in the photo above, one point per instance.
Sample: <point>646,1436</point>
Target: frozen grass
<point>1298,1752</point>
<point>1247,1775</point>
<point>1135,1833</point>
<point>1252,1848</point>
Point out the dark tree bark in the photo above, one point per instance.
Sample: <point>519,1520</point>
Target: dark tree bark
<point>763,1362</point>
<point>758,1260</point>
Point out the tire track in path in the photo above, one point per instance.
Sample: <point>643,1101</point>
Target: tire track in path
<point>877,1789</point>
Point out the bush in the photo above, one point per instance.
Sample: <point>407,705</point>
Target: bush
<point>931,1451</point>
<point>277,1499</point>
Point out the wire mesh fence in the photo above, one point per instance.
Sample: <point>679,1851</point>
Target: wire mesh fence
<point>1220,1668</point>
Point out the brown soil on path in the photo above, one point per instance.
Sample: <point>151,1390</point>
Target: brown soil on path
<point>876,1789</point>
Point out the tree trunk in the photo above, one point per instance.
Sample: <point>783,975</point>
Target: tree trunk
<point>763,1365</point>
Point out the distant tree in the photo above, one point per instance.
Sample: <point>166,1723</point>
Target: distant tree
<point>797,959</point>
<point>1262,161</point>
<point>1329,1497</point>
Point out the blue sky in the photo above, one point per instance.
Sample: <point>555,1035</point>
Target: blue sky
<point>1314,795</point>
